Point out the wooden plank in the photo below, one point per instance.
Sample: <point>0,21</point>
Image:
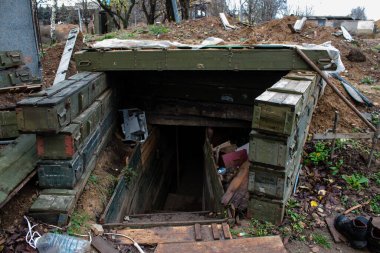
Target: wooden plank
<point>226,231</point>
<point>215,231</point>
<point>162,223</point>
<point>267,244</point>
<point>197,232</point>
<point>102,245</point>
<point>227,58</point>
<point>334,233</point>
<point>195,121</point>
<point>18,188</point>
<point>66,56</point>
<point>17,162</point>
<point>331,136</point>
<point>163,234</point>
<point>21,88</point>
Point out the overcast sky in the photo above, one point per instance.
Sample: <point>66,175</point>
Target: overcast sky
<point>339,7</point>
<point>325,7</point>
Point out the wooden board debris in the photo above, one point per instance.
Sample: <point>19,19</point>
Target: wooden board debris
<point>102,245</point>
<point>267,244</point>
<point>334,233</point>
<point>179,234</point>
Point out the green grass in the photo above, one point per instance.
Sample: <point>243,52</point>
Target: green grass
<point>368,80</point>
<point>78,223</point>
<point>321,240</point>
<point>258,228</point>
<point>158,29</point>
<point>93,179</point>
<point>375,204</point>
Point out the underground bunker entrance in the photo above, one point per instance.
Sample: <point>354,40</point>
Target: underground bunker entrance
<point>187,176</point>
<point>175,174</point>
<point>174,169</point>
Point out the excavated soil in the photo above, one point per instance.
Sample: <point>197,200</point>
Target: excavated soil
<point>277,31</point>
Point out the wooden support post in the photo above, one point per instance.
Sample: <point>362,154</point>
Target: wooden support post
<point>374,142</point>
<point>177,152</point>
<point>336,120</point>
<point>335,89</point>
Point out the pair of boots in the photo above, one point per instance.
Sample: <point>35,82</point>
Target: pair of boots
<point>360,232</point>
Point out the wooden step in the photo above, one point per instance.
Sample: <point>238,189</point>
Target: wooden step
<point>268,244</point>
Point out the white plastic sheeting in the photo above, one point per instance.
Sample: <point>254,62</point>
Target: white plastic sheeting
<point>130,44</point>
<point>333,52</point>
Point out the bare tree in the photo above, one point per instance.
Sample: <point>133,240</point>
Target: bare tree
<point>358,13</point>
<point>257,11</point>
<point>298,11</point>
<point>118,9</point>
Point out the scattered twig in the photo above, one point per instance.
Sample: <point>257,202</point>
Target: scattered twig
<point>356,207</point>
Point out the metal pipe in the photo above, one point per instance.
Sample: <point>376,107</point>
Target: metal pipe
<point>335,89</point>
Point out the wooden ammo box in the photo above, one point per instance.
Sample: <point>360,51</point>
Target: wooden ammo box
<point>51,113</point>
<point>67,142</point>
<point>54,206</point>
<point>65,173</point>
<point>271,183</point>
<point>60,173</point>
<point>14,76</point>
<point>95,140</point>
<point>277,109</point>
<point>10,59</point>
<point>8,125</point>
<point>299,87</point>
<point>276,112</point>
<point>270,210</point>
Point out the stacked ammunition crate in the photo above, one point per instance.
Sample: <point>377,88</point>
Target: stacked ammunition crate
<point>70,120</point>
<point>12,72</point>
<point>280,124</point>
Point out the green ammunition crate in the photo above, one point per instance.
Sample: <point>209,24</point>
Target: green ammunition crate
<point>8,125</point>
<point>271,183</point>
<point>10,59</point>
<point>264,209</point>
<point>54,206</point>
<point>50,114</point>
<point>15,76</point>
<point>276,112</point>
<point>68,141</point>
<point>60,173</point>
<point>299,87</point>
<point>272,150</point>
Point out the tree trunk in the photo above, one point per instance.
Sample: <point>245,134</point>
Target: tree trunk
<point>53,35</point>
<point>169,11</point>
<point>128,14</point>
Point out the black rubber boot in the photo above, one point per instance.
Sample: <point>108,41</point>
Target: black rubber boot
<point>373,237</point>
<point>354,230</point>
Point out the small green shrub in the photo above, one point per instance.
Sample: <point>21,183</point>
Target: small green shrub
<point>356,181</point>
<point>335,168</point>
<point>368,80</point>
<point>321,153</point>
<point>258,228</point>
<point>158,29</point>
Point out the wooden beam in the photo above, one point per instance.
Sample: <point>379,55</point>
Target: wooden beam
<point>162,223</point>
<point>331,136</point>
<point>195,121</point>
<point>268,244</point>
<point>102,245</point>
<point>255,57</point>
